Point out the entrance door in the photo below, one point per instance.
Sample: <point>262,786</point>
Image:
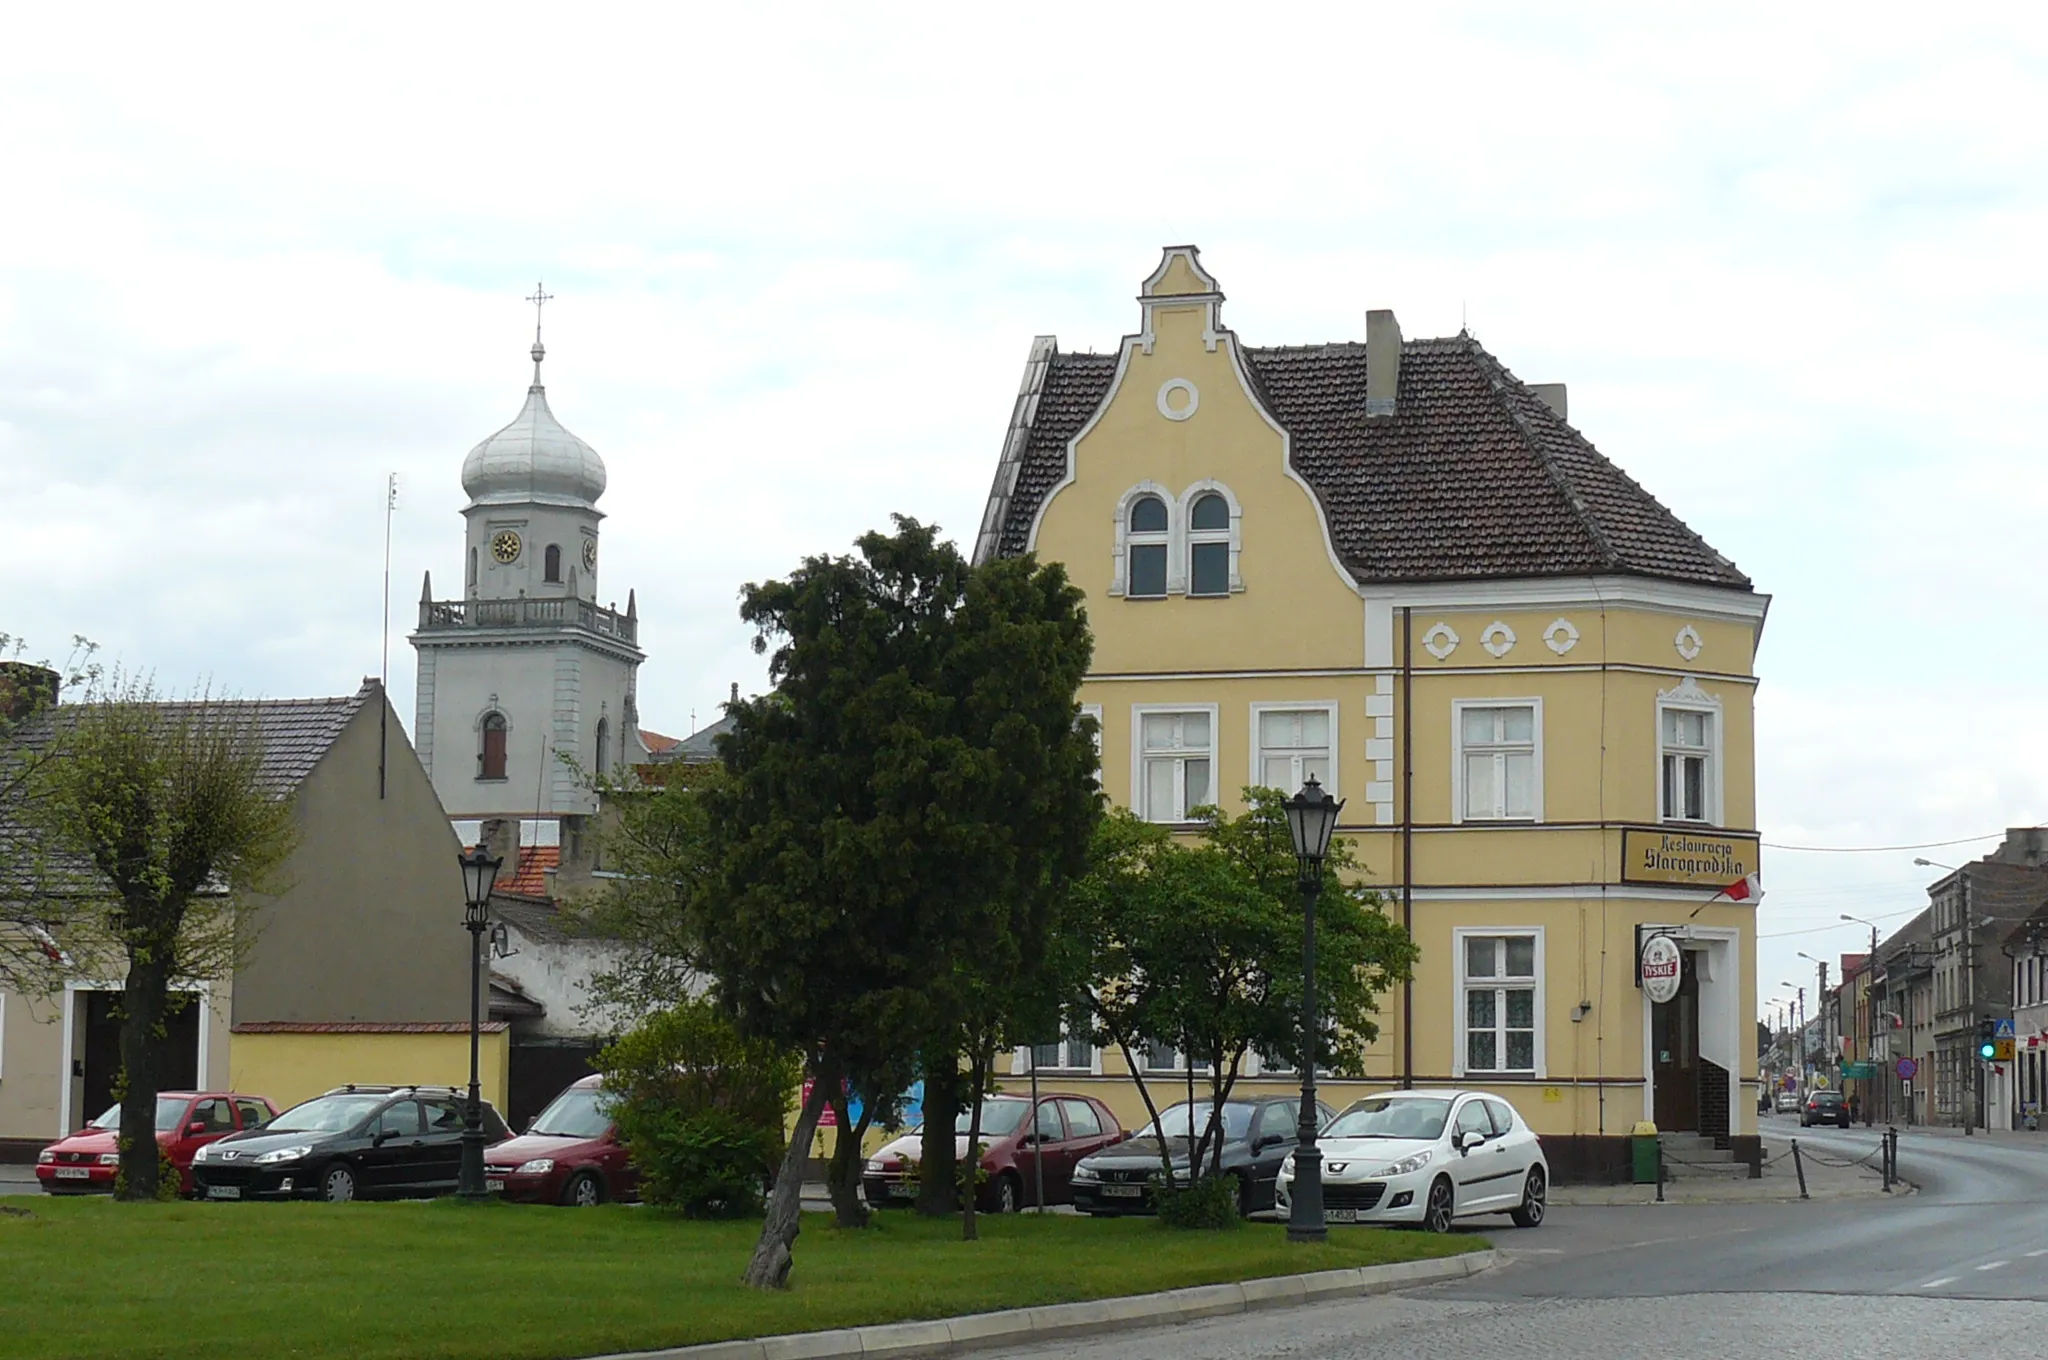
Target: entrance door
<point>100,1065</point>
<point>1675,1053</point>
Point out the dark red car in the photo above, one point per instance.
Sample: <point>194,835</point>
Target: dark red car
<point>1068,1128</point>
<point>569,1154</point>
<point>186,1121</point>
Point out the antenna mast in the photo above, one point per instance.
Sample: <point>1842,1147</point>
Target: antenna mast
<point>384,667</point>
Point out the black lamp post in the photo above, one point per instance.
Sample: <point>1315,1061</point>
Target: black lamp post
<point>479,873</point>
<point>1311,818</point>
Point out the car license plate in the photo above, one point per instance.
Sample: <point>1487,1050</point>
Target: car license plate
<point>495,1184</point>
<point>1123,1191</point>
<point>223,1192</point>
<point>903,1190</point>
<point>1340,1215</point>
<point>73,1173</point>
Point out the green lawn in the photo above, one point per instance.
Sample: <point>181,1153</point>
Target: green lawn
<point>87,1277</point>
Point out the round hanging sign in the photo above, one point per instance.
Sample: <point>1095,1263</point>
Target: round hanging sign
<point>1662,966</point>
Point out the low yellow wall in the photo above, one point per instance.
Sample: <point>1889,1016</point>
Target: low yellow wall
<point>290,1068</point>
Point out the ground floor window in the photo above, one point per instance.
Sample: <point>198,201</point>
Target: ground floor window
<point>1499,1016</point>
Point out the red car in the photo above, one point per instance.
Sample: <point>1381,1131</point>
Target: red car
<point>186,1121</point>
<point>569,1154</point>
<point>1067,1129</point>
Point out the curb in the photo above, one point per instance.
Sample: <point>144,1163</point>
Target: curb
<point>1024,1326</point>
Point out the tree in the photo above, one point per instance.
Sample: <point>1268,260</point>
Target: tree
<point>31,961</point>
<point>914,788</point>
<point>158,824</point>
<point>1198,945</point>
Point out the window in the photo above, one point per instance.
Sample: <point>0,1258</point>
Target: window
<point>1209,545</point>
<point>1503,1117</point>
<point>1082,1121</point>
<point>1500,979</point>
<point>1145,548</point>
<point>490,758</point>
<point>1688,735</point>
<point>1498,775</point>
<point>1472,1118</point>
<point>1291,744</point>
<point>604,741</point>
<point>216,1113</point>
<point>1095,711</point>
<point>552,569</point>
<point>254,1116</point>
<point>1159,1057</point>
<point>472,566</point>
<point>1176,752</point>
<point>402,1118</point>
<point>1047,1126</point>
<point>444,1115</point>
<point>1070,1054</point>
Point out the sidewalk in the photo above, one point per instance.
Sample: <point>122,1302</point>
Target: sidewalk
<point>1829,1175</point>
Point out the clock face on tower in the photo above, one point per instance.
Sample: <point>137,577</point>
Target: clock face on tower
<point>590,554</point>
<point>505,546</point>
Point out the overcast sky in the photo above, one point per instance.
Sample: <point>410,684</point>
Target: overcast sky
<point>1791,270</point>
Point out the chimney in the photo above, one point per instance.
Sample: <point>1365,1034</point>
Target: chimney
<point>1553,397</point>
<point>1382,362</point>
<point>25,688</point>
<point>498,837</point>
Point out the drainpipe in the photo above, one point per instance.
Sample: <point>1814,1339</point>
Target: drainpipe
<point>1408,838</point>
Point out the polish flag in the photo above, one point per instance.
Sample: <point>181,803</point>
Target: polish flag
<point>1748,888</point>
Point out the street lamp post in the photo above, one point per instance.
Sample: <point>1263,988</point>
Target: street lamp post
<point>479,873</point>
<point>1870,1023</point>
<point>1311,818</point>
<point>1799,1030</point>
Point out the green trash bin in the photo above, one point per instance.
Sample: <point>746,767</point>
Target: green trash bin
<point>1643,1144</point>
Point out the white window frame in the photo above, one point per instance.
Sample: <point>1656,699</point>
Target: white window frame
<point>1095,711</point>
<point>1688,697</point>
<point>1183,561</point>
<point>1258,760</point>
<point>1179,1068</point>
<point>1459,934</point>
<point>1120,577</point>
<point>1020,1060</point>
<point>1458,813</point>
<point>1138,713</point>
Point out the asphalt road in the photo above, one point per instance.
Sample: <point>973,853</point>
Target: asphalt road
<point>1959,1265</point>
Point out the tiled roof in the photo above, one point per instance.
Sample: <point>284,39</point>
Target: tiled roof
<point>1473,477</point>
<point>510,1001</point>
<point>655,742</point>
<point>535,917</point>
<point>530,878</point>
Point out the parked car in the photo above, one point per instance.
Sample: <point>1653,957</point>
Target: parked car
<point>1429,1157</point>
<point>353,1142</point>
<point>186,1121</point>
<point>1788,1102</point>
<point>1020,1150</point>
<point>1824,1107</point>
<point>1258,1133</point>
<point>569,1154</point>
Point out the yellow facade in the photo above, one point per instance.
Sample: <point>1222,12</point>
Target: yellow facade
<point>1589,662</point>
<point>289,1068</point>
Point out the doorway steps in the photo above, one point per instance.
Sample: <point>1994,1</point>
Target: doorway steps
<point>1693,1156</point>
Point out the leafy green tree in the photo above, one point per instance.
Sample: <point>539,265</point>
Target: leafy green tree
<point>893,822</point>
<point>159,826</point>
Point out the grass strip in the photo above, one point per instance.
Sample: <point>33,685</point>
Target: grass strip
<point>88,1277</point>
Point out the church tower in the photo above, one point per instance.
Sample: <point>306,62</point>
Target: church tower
<point>527,667</point>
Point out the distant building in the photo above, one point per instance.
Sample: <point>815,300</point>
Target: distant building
<point>1975,909</point>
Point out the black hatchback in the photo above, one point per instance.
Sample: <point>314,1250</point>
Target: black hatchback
<point>1824,1107</point>
<point>1258,1133</point>
<point>354,1142</point>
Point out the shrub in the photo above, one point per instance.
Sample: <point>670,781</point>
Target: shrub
<point>701,1109</point>
<point>168,1184</point>
<point>1211,1202</point>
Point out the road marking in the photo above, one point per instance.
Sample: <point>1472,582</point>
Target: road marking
<point>1993,1265</point>
<point>1936,1284</point>
<point>2042,1252</point>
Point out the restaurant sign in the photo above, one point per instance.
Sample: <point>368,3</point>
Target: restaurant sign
<point>1686,857</point>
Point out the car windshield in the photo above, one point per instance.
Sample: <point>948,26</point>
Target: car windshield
<point>326,1114</point>
<point>576,1113</point>
<point>168,1111</point>
<point>1237,1121</point>
<point>998,1117</point>
<point>1388,1117</point>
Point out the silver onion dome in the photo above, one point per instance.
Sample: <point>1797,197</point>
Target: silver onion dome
<point>533,460</point>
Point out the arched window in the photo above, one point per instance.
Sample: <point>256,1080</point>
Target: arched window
<point>1209,546</point>
<point>604,741</point>
<point>1145,547</point>
<point>490,757</point>
<point>553,569</point>
<point>472,566</point>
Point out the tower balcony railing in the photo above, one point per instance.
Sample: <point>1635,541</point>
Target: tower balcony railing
<point>438,616</point>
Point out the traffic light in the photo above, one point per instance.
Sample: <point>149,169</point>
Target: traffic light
<point>1987,1047</point>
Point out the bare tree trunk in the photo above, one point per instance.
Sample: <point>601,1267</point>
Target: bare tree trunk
<point>1145,1094</point>
<point>938,1165</point>
<point>842,1176</point>
<point>970,1173</point>
<point>142,1017</point>
<point>770,1267</point>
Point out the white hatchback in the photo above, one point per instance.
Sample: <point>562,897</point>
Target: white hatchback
<point>1428,1157</point>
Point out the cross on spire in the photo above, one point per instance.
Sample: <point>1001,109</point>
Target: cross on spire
<point>540,298</point>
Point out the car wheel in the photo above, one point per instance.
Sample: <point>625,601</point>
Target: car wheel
<point>1437,1211</point>
<point>338,1184</point>
<point>1007,1197</point>
<point>583,1191</point>
<point>1530,1214</point>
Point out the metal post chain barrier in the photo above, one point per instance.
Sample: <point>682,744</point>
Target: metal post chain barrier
<point>1660,1168</point>
<point>1800,1167</point>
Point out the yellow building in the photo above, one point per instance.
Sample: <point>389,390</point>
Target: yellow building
<point>1395,565</point>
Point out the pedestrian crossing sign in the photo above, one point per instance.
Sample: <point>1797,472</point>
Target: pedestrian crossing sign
<point>2002,1029</point>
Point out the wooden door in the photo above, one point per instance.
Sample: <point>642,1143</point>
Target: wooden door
<point>1675,1054</point>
